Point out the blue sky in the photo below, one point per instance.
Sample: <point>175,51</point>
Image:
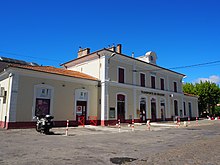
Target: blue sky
<point>49,32</point>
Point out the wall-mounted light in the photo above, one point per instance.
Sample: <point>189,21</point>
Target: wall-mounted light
<point>112,55</point>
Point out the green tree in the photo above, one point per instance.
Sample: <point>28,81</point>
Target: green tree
<point>209,95</point>
<point>189,88</point>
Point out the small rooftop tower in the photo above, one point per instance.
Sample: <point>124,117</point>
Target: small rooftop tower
<point>149,57</point>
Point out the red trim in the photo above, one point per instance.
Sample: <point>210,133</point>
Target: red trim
<point>2,124</point>
<point>73,123</point>
<point>13,125</point>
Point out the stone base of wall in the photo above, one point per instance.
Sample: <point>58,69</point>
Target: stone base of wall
<point>73,123</point>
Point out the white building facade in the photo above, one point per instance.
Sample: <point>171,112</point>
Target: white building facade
<point>100,87</point>
<point>134,88</point>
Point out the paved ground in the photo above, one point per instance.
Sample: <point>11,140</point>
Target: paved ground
<point>164,144</point>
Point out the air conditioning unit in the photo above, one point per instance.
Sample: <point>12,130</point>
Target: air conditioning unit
<point>2,92</point>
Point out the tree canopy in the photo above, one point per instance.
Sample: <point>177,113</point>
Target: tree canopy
<point>208,92</point>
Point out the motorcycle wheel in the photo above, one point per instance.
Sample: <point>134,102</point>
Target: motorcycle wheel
<point>38,128</point>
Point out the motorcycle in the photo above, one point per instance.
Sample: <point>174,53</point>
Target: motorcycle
<point>44,124</point>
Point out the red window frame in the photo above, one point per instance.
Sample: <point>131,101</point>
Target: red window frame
<point>175,86</point>
<point>153,82</point>
<point>121,75</point>
<point>162,84</point>
<point>142,79</point>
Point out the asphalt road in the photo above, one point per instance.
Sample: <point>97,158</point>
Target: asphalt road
<point>97,145</point>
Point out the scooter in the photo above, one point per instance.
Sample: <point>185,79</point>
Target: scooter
<point>44,124</point>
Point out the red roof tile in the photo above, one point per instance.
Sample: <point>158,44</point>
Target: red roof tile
<point>58,71</point>
<point>188,94</point>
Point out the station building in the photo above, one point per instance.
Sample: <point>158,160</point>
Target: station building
<point>135,88</point>
<point>105,84</point>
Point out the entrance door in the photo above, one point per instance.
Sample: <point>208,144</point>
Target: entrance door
<point>190,110</point>
<point>143,110</point>
<point>121,107</point>
<point>163,115</point>
<point>81,110</point>
<point>153,110</point>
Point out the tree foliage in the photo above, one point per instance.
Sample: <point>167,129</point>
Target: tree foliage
<point>209,95</point>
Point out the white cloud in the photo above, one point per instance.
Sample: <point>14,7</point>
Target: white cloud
<point>213,78</point>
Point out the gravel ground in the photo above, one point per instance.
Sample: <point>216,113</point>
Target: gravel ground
<point>105,145</point>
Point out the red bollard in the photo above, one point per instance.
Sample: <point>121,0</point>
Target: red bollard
<point>67,126</point>
<point>179,120</point>
<point>132,126</point>
<point>119,126</point>
<point>197,121</point>
<point>148,125</point>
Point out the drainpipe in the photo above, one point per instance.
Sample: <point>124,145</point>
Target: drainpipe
<point>7,101</point>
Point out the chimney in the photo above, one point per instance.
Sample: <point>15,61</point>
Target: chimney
<point>83,52</point>
<point>112,48</point>
<point>118,48</point>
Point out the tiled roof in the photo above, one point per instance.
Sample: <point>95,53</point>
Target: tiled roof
<point>188,94</point>
<point>57,71</point>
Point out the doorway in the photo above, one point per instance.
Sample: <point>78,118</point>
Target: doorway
<point>162,109</point>
<point>121,107</point>
<point>81,111</point>
<point>190,110</point>
<point>153,110</point>
<point>143,110</point>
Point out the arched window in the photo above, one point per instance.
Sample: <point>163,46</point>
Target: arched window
<point>121,107</point>
<point>153,110</point>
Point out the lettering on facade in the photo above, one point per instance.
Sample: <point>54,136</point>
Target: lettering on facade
<point>152,93</point>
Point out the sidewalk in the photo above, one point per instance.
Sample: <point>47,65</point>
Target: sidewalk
<point>124,127</point>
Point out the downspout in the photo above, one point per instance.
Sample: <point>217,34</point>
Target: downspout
<point>7,100</point>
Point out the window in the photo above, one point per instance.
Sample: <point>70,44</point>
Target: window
<point>176,107</point>
<point>184,108</point>
<point>42,107</point>
<point>162,84</point>
<point>4,97</point>
<point>153,82</point>
<point>142,79</point>
<point>43,100</point>
<point>174,86</point>
<point>121,75</point>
